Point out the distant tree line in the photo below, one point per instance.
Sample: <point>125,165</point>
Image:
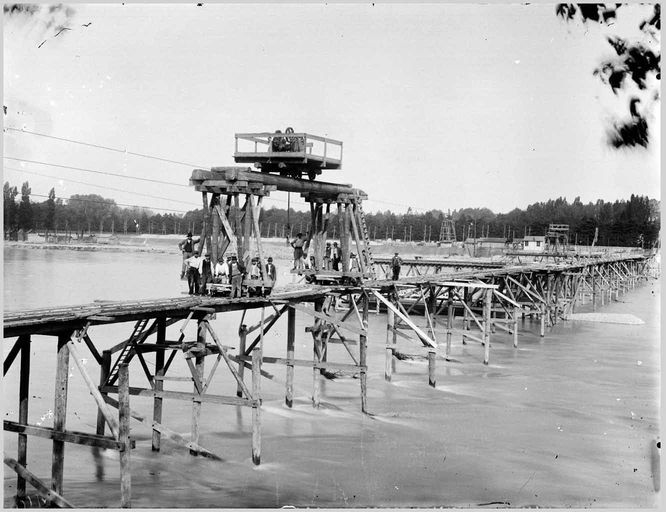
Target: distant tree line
<point>633,222</point>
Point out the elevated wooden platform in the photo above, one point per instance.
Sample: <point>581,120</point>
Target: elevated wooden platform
<point>301,154</point>
<point>243,180</point>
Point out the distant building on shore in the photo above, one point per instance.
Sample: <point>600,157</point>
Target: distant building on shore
<point>534,243</point>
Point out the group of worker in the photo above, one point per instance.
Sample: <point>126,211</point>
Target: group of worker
<point>201,271</point>
<point>332,257</point>
<point>288,142</point>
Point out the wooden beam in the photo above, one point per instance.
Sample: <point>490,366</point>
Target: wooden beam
<point>42,489</point>
<point>423,336</point>
<point>60,412</point>
<point>183,395</point>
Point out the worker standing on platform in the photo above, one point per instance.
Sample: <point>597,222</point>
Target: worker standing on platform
<point>396,261</point>
<point>236,272</point>
<point>353,263</point>
<point>192,263</point>
<point>187,248</point>
<point>298,244</point>
<point>221,272</point>
<point>327,256</point>
<point>205,273</point>
<point>337,256</point>
<point>271,274</point>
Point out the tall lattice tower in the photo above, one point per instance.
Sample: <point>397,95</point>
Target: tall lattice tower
<point>557,238</point>
<point>447,232</point>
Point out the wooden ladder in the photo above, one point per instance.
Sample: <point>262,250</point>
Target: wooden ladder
<point>366,237</point>
<point>127,352</point>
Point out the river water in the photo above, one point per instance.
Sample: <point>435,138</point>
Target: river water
<point>568,420</point>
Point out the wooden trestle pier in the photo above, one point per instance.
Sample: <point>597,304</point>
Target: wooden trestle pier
<point>484,297</point>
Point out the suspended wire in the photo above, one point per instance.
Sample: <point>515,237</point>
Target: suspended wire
<point>99,146</point>
<point>96,172</point>
<point>101,186</point>
<point>108,148</point>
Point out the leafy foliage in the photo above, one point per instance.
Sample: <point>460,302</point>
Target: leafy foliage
<point>635,62</point>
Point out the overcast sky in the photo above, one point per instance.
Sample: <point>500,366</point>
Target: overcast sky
<point>439,106</point>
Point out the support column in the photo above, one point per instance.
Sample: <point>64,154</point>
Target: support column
<point>316,354</point>
<point>449,321</point>
<point>199,366</point>
<point>515,326</point>
<point>159,383</point>
<point>24,394</point>
<point>487,304</point>
<point>105,369</point>
<point>363,341</point>
<point>390,343</point>
<point>594,289</point>
<point>242,335</point>
<point>256,411</point>
<point>124,436</point>
<point>542,317</point>
<point>431,368</point>
<point>291,338</point>
<point>60,412</point>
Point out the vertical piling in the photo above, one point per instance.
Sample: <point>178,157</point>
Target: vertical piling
<point>594,289</point>
<point>24,394</point>
<point>291,338</point>
<point>390,343</point>
<point>316,355</point>
<point>60,412</point>
<point>159,383</point>
<point>256,412</point>
<point>242,340</point>
<point>515,326</point>
<point>449,321</point>
<point>124,436</point>
<point>487,304</point>
<point>199,366</point>
<point>431,368</point>
<point>105,369</point>
<point>542,317</point>
<point>363,342</point>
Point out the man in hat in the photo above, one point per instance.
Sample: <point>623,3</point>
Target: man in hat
<point>236,273</point>
<point>271,275</point>
<point>192,263</point>
<point>205,273</point>
<point>221,271</point>
<point>396,261</point>
<point>255,275</point>
<point>186,246</point>
<point>298,244</point>
<point>337,256</point>
<point>327,256</point>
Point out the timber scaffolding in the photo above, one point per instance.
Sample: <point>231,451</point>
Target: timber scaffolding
<point>484,299</point>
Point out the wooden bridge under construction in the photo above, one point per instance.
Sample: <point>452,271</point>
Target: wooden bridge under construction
<point>472,299</point>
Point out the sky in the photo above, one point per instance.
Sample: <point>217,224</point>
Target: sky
<point>439,106</point>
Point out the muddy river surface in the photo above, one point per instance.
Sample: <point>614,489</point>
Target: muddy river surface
<point>568,420</point>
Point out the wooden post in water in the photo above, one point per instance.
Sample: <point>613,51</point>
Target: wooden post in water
<point>487,305</point>
<point>317,330</point>
<point>105,369</point>
<point>431,368</point>
<point>256,411</point>
<point>542,317</point>
<point>465,314</point>
<point>124,436</point>
<point>449,321</point>
<point>515,326</point>
<point>159,383</point>
<point>291,339</point>
<point>60,411</point>
<point>432,305</point>
<point>363,345</point>
<point>242,335</point>
<point>199,367</point>
<point>390,343</point>
<point>24,394</point>
<point>594,289</point>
